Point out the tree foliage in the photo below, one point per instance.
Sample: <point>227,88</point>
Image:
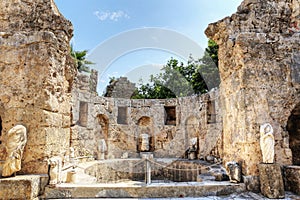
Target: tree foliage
<point>177,80</point>
<point>80,60</point>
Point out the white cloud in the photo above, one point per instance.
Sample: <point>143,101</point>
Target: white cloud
<point>111,15</point>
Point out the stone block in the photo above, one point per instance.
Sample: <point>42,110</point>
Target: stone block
<point>292,178</point>
<point>20,187</point>
<point>252,183</point>
<point>271,182</point>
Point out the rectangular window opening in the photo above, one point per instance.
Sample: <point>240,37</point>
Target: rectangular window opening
<point>83,113</point>
<point>122,115</point>
<point>170,115</point>
<point>211,112</point>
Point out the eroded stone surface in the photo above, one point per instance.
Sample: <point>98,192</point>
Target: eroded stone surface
<point>20,187</point>
<point>271,182</point>
<point>292,178</point>
<point>35,78</point>
<point>258,51</point>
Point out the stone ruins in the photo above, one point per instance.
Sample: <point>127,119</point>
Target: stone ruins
<point>75,136</point>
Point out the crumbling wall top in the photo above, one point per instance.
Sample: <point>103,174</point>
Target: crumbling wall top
<point>32,15</point>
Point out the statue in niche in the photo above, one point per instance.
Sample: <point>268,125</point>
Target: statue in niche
<point>191,152</point>
<point>267,143</point>
<point>14,142</point>
<point>145,146</point>
<point>55,168</point>
<point>102,148</point>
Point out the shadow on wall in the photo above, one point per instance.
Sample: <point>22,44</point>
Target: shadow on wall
<point>0,129</point>
<point>293,127</point>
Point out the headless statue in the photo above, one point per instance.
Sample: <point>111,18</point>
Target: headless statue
<point>14,141</point>
<point>267,143</point>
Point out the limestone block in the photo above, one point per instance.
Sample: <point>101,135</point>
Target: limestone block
<point>271,182</point>
<point>20,187</point>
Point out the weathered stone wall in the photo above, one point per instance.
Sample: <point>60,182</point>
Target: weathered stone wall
<point>259,69</point>
<point>120,122</point>
<point>120,88</point>
<point>35,78</point>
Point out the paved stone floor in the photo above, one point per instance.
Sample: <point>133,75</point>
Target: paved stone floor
<point>243,196</point>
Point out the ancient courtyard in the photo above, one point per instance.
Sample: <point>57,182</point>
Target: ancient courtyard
<point>59,139</point>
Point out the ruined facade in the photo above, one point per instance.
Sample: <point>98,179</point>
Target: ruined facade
<point>259,63</point>
<point>35,78</point>
<point>170,124</point>
<point>120,88</point>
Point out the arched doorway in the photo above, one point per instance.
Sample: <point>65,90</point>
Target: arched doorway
<point>293,127</point>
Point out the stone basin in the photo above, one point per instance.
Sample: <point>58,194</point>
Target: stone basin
<point>167,169</point>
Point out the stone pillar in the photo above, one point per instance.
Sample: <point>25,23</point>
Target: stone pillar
<point>271,182</point>
<point>36,74</point>
<point>258,60</point>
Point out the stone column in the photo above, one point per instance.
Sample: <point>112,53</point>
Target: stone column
<point>271,182</point>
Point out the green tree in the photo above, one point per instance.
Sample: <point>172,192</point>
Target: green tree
<point>80,60</point>
<point>177,80</point>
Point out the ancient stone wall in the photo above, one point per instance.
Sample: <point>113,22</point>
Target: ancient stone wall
<point>170,123</point>
<point>120,88</point>
<point>259,69</point>
<point>35,78</point>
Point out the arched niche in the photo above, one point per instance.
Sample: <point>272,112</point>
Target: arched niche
<point>191,129</point>
<point>145,126</point>
<point>144,121</point>
<point>293,127</point>
<point>104,123</point>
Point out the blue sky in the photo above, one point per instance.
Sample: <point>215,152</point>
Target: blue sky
<point>98,21</point>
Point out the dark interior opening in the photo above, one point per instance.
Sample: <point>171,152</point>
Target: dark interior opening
<point>170,115</point>
<point>211,112</point>
<point>293,127</point>
<point>0,129</point>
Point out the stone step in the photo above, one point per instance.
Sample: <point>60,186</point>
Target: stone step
<point>22,186</point>
<point>134,189</point>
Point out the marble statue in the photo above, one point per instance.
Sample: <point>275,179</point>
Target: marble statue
<point>55,168</point>
<point>234,172</point>
<point>102,148</point>
<point>14,142</point>
<point>267,143</point>
<point>145,146</point>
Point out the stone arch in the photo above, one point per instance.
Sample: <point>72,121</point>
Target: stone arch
<point>191,129</point>
<point>293,127</point>
<point>145,125</point>
<point>144,121</point>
